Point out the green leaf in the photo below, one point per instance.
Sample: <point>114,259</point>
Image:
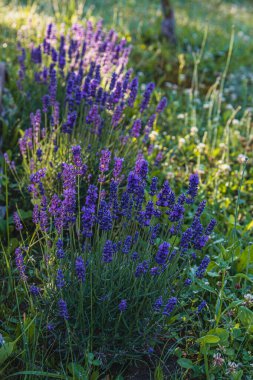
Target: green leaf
<point>94,375</point>
<point>6,351</point>
<point>208,339</point>
<point>238,375</point>
<point>242,275</point>
<point>185,363</point>
<point>246,317</point>
<point>245,261</point>
<point>96,362</point>
<point>221,333</point>
<point>158,375</point>
<point>77,371</point>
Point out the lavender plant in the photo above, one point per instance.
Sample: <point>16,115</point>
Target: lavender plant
<point>89,98</point>
<point>111,258</point>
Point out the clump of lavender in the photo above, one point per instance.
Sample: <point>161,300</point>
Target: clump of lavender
<point>89,65</point>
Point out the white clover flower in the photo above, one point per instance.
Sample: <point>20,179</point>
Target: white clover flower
<point>242,158</point>
<point>194,131</point>
<point>225,168</point>
<point>169,175</point>
<point>235,122</point>
<point>248,298</point>
<point>218,360</point>
<point>201,147</point>
<point>232,367</point>
<point>181,142</point>
<point>153,135</point>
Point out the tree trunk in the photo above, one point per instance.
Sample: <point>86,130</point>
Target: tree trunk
<point>168,23</point>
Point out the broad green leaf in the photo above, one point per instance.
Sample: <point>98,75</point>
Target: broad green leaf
<point>208,339</point>
<point>245,261</point>
<point>185,363</point>
<point>6,351</point>
<point>221,333</point>
<point>246,317</point>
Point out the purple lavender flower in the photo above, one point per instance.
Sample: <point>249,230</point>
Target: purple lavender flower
<point>135,256</point>
<point>133,92</point>
<point>158,304</point>
<point>170,306</point>
<point>63,310</point>
<point>104,160</point>
<point>193,188</point>
<point>116,117</point>
<point>210,227</point>
<point>88,219</point>
<point>153,186</point>
<point>141,167</point>
<point>127,245</point>
<point>146,97</point>
<point>36,214</point>
<point>154,233</point>
<point>166,197</point>
<point>122,306</point>
<point>136,128</point>
<point>76,151</point>
<point>104,217</point>
<point>91,198</point>
<point>19,260</point>
<point>201,306</point>
<point>188,282</point>
<point>68,126</point>
<point>186,238</point>
<point>113,81</point>
<point>200,209</point>
<point>118,162</point>
<point>17,221</point>
<point>59,249</point>
<point>203,266</point>
<point>155,271</point>
<point>34,290</point>
<point>80,269</point>
<point>141,268</point>
<point>162,253</point>
<point>162,105</point>
<point>177,213</point>
<point>108,252</point>
<point>36,177</point>
<point>60,282</point>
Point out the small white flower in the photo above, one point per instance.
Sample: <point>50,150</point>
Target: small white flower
<point>242,158</point>
<point>232,367</point>
<point>248,298</point>
<point>181,142</point>
<point>153,135</point>
<point>194,131</point>
<point>218,360</point>
<point>235,122</point>
<point>201,147</point>
<point>225,168</point>
<point>181,116</point>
